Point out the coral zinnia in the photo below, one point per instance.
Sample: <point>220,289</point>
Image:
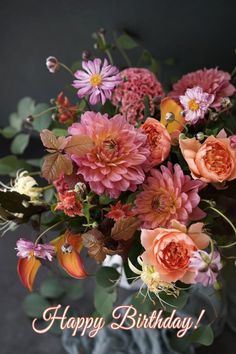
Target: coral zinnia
<point>168,194</point>
<point>212,81</point>
<point>117,161</point>
<point>96,81</point>
<point>130,94</point>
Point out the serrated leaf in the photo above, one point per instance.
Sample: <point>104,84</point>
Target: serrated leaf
<point>124,229</point>
<point>19,144</point>
<point>126,42</point>
<point>44,121</point>
<point>107,277</point>
<point>51,288</point>
<point>34,305</point>
<point>56,164</point>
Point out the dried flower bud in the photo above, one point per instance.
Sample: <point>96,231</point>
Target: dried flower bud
<point>225,103</point>
<point>213,116</point>
<point>200,136</point>
<point>52,64</point>
<point>86,55</point>
<point>29,119</point>
<point>170,117</point>
<point>80,188</point>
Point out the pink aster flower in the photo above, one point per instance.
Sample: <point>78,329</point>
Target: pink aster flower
<point>195,103</point>
<point>168,194</point>
<point>129,95</point>
<point>119,157</point>
<point>27,249</point>
<point>213,81</point>
<point>96,81</point>
<point>206,266</point>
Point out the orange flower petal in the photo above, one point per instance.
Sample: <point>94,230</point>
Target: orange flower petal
<point>72,264</point>
<point>169,105</point>
<point>27,269</point>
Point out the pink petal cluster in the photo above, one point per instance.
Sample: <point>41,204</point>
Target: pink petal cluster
<point>213,81</point>
<point>168,194</point>
<point>96,80</point>
<point>27,248</point>
<point>119,157</point>
<point>130,94</point>
<point>195,103</point>
<point>206,267</point>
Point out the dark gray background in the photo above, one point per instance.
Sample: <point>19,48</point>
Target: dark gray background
<point>195,33</point>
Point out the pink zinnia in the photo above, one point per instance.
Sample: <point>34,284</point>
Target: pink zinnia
<point>129,96</point>
<point>96,81</point>
<point>212,81</point>
<point>168,194</point>
<point>119,157</point>
<point>195,103</point>
<point>27,249</point>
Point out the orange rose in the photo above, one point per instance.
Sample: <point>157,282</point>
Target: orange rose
<point>159,141</point>
<point>170,250</point>
<point>213,161</point>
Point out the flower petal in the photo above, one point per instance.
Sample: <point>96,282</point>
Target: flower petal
<point>27,269</point>
<point>72,264</point>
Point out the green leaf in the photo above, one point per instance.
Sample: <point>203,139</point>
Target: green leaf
<point>8,132</point>
<point>51,288</point>
<point>135,251</point>
<point>43,121</point>
<point>25,107</point>
<point>10,164</point>
<point>15,121</point>
<point>126,42</point>
<point>104,300</point>
<point>142,305</point>
<point>107,277</point>
<point>146,107</point>
<point>104,199</point>
<point>75,291</point>
<point>19,144</point>
<point>49,195</point>
<point>35,162</point>
<point>76,66</point>
<point>34,305</point>
<point>170,302</point>
<point>82,105</point>
<point>60,132</point>
<point>203,335</point>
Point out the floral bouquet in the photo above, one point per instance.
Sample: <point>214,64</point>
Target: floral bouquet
<point>131,169</point>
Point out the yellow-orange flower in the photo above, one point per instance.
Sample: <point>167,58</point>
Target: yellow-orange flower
<point>170,108</point>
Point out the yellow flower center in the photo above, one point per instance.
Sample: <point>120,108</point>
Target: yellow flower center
<point>95,80</point>
<point>193,105</point>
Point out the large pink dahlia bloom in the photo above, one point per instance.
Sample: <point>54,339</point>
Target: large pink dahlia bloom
<point>119,157</point>
<point>168,195</point>
<point>129,95</point>
<point>212,81</point>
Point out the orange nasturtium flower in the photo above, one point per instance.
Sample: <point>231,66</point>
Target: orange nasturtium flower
<point>171,115</point>
<point>67,248</point>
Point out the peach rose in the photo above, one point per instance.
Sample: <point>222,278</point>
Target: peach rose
<point>159,140</point>
<point>170,250</point>
<point>213,161</point>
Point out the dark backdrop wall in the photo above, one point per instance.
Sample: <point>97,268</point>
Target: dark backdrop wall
<point>195,33</point>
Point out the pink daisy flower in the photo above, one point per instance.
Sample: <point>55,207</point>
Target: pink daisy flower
<point>195,103</point>
<point>27,248</point>
<point>213,81</point>
<point>119,157</point>
<point>168,195</point>
<point>96,81</point>
<point>129,95</point>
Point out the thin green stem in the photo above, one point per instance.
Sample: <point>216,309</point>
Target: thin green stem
<point>43,112</point>
<point>66,68</point>
<point>107,51</point>
<point>48,229</point>
<point>122,51</point>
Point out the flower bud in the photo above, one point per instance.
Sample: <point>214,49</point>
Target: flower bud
<point>86,55</point>
<point>213,116</point>
<point>200,136</point>
<point>170,117</point>
<point>225,102</point>
<point>80,188</point>
<point>29,119</point>
<point>52,64</point>
<point>101,30</point>
<point>233,141</point>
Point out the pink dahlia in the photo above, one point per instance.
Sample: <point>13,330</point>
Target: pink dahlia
<point>96,81</point>
<point>168,194</point>
<point>27,249</point>
<point>195,103</point>
<point>119,157</point>
<point>130,94</point>
<point>213,81</point>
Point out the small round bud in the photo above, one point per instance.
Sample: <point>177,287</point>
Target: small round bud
<point>170,117</point>
<point>232,140</point>
<point>213,116</point>
<point>29,119</point>
<point>95,46</point>
<point>102,30</point>
<point>54,116</point>
<point>52,101</point>
<point>225,102</point>
<point>182,136</point>
<point>80,188</point>
<point>86,55</point>
<point>200,136</point>
<point>52,64</point>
